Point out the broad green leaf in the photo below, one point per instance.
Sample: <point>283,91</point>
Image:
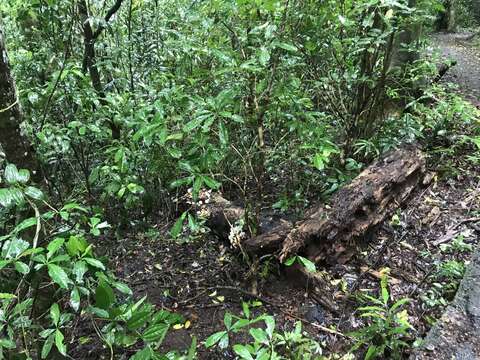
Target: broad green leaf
<point>242,351</point>
<point>138,319</point>
<point>79,270</point>
<point>214,338</point>
<point>11,174</point>
<point>155,333</point>
<point>21,267</point>
<point>61,347</point>
<point>145,354</point>
<point>7,344</point>
<point>176,229</point>
<point>95,263</point>
<point>6,198</point>
<point>23,176</point>
<point>25,224</point>
<point>53,246</point>
<point>76,245</point>
<point>47,346</point>
<point>34,193</point>
<point>123,288</point>
<point>310,266</point>
<point>104,296</point>
<point>75,299</point>
<point>259,335</point>
<point>58,275</point>
<point>55,313</point>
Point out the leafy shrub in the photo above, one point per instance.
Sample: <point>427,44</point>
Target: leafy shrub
<point>387,327</point>
<point>50,277</point>
<point>267,342</point>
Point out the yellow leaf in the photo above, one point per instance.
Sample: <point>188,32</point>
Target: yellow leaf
<point>178,326</point>
<point>187,324</point>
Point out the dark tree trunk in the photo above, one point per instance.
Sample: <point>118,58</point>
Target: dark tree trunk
<point>447,19</point>
<point>14,145</point>
<point>89,56</point>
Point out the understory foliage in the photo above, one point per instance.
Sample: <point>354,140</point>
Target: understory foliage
<point>248,95</point>
<point>133,105</point>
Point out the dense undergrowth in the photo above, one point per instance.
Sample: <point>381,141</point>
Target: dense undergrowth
<point>274,103</point>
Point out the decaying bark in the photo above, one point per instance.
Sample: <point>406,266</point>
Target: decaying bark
<point>332,228</point>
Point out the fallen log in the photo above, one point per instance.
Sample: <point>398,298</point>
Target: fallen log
<point>330,231</point>
<point>361,205</point>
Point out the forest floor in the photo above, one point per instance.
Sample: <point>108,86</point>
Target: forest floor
<point>424,245</point>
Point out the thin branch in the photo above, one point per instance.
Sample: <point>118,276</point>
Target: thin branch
<point>109,15</point>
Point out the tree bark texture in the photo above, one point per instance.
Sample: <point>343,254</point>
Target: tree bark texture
<point>14,146</point>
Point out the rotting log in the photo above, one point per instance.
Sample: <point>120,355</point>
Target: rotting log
<point>358,207</point>
<point>331,229</point>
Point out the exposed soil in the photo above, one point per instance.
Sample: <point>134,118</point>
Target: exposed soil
<point>203,278</point>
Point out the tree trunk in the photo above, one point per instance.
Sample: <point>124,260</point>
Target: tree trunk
<point>14,146</point>
<point>447,19</point>
<point>89,57</point>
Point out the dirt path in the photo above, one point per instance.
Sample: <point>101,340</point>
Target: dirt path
<point>466,73</point>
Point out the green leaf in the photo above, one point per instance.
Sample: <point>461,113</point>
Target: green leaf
<point>211,183</point>
<point>55,314</point>
<point>270,322</point>
<point>95,263</point>
<point>193,124</point>
<point>138,319</point>
<point>310,266</point>
<point>34,193</point>
<point>104,296</point>
<point>242,351</point>
<point>176,229</point>
<point>25,224</point>
<point>214,338</point>
<point>14,248</point>
<point>6,198</point>
<point>7,344</point>
<point>123,288</point>
<point>76,245</point>
<point>58,275</point>
<point>75,299</point>
<point>155,333</point>
<point>61,347</point>
<point>227,320</point>
<point>319,161</point>
<point>223,134</point>
<point>79,270</point>
<point>192,351</point>
<point>286,46</point>
<point>53,246</point>
<point>145,354</point>
<point>23,176</point>
<point>21,267</point>
<point>259,335</point>
<point>11,174</point>
<point>7,296</point>
<point>47,346</point>
<point>290,261</point>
